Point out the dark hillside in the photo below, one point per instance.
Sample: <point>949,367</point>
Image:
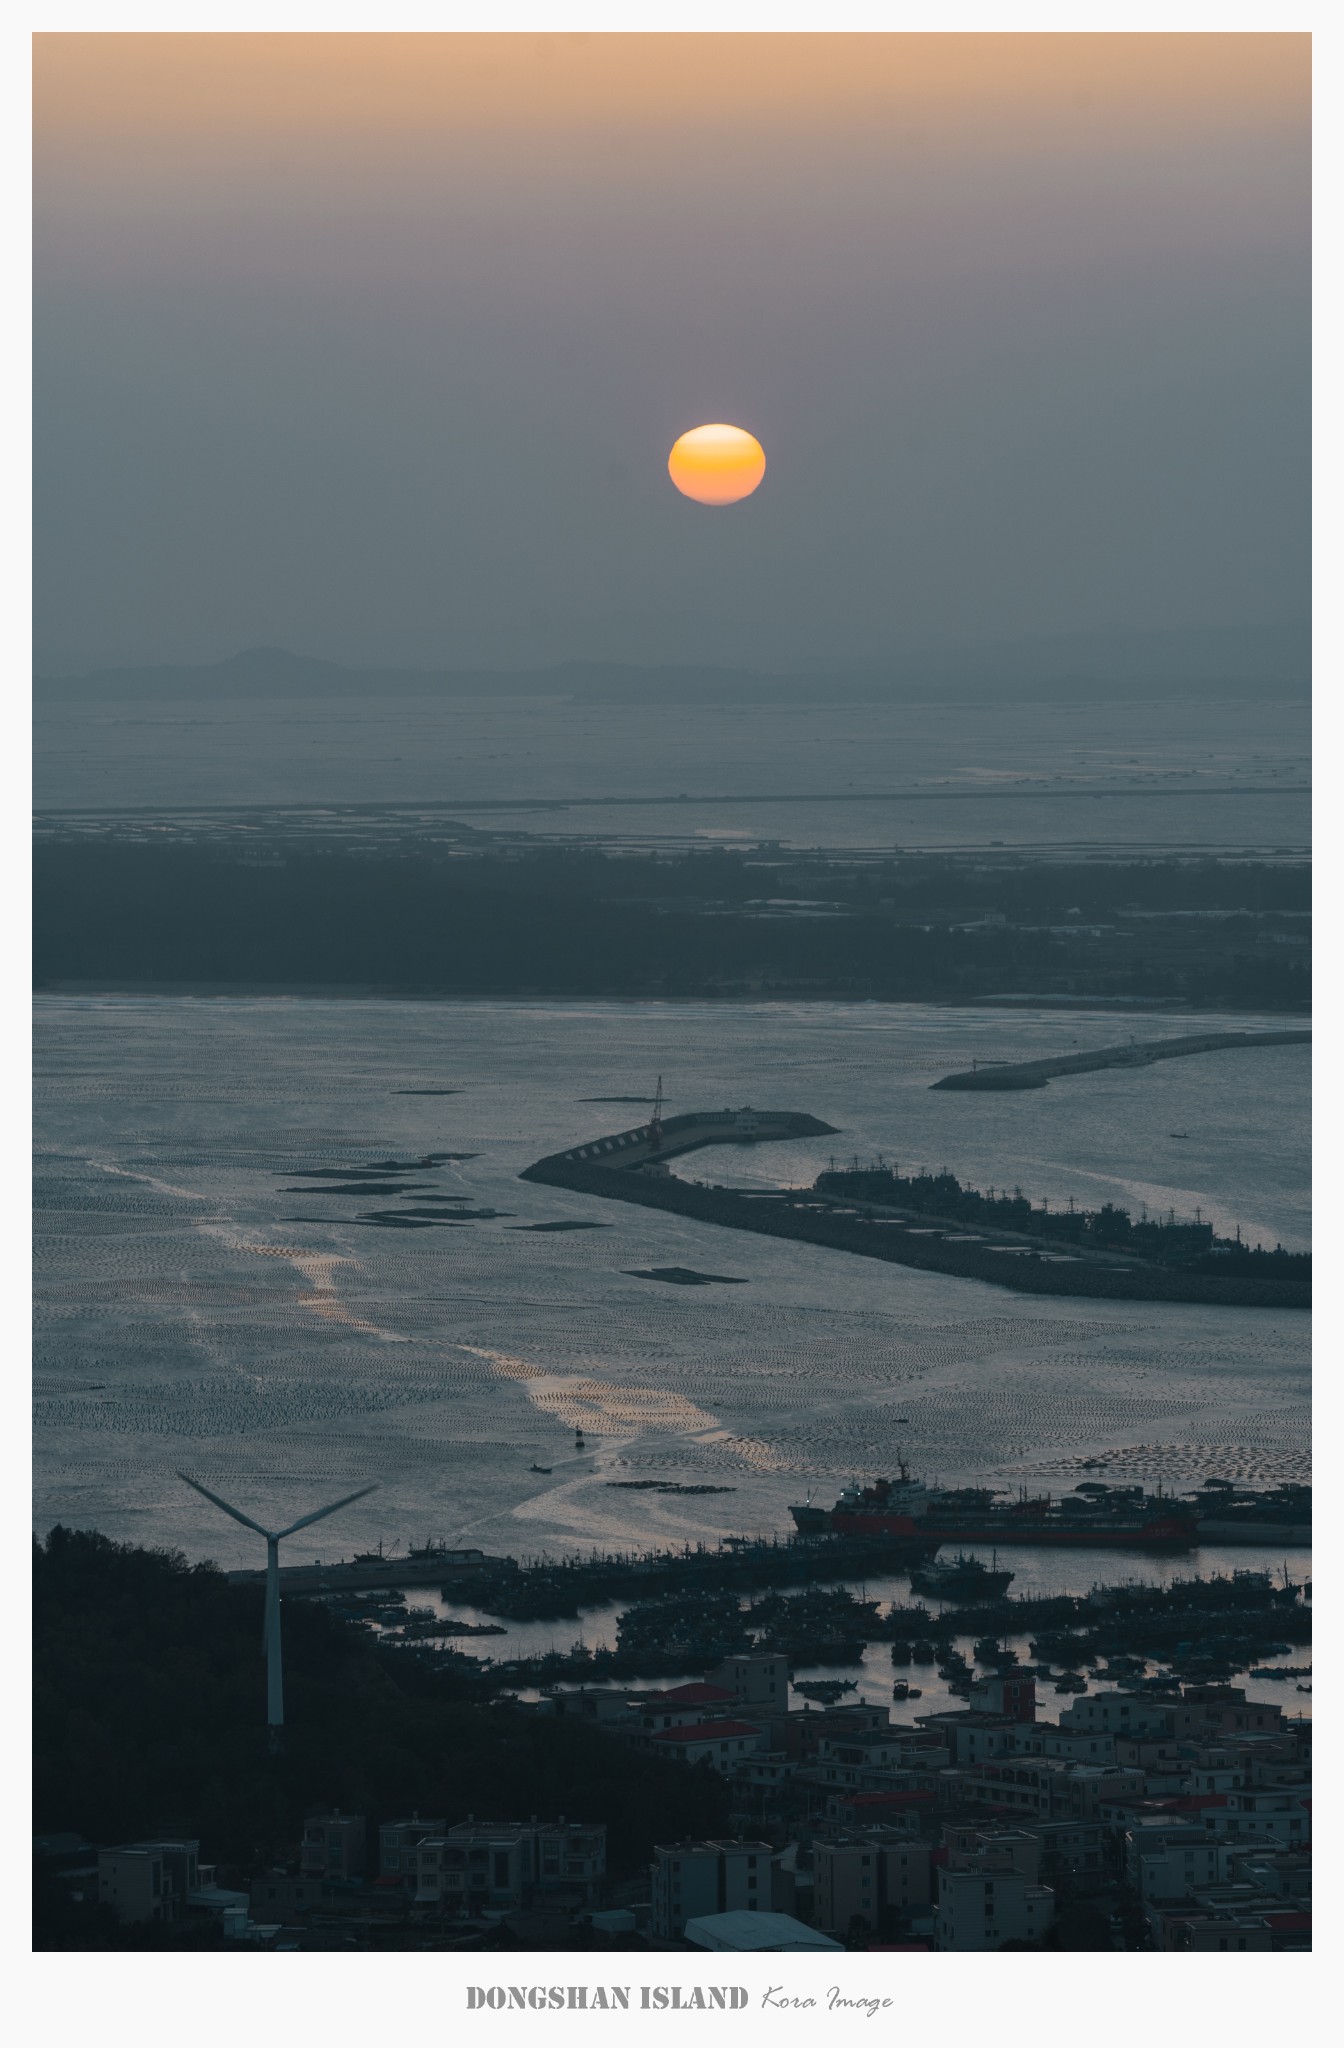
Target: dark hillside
<point>149,1714</point>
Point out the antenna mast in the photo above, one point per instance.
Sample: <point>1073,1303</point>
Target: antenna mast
<point>656,1120</point>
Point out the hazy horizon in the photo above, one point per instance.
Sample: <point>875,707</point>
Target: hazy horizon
<point>373,347</point>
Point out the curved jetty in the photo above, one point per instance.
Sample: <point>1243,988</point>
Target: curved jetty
<point>1036,1073</point>
<point>667,1137</point>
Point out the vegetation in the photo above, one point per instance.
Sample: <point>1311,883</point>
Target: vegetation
<point>149,1716</point>
<point>423,916</point>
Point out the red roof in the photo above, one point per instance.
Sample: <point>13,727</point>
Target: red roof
<point>697,1694</point>
<point>706,1731</point>
<point>1287,1923</point>
<point>1195,1802</point>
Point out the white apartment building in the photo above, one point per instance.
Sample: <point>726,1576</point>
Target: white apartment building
<point>480,1865</point>
<point>692,1879</point>
<point>978,1912</point>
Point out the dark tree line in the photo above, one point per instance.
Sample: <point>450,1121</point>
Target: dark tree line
<point>149,1717</point>
<point>561,922</point>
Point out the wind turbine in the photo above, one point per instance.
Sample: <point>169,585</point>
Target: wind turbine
<point>275,1683</point>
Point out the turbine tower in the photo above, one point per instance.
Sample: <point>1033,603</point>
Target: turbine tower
<point>275,1683</point>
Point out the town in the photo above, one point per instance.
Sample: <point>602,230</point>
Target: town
<point>1151,1815</point>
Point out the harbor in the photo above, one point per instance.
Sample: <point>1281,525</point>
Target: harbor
<point>1149,1632</point>
<point>867,1211</point>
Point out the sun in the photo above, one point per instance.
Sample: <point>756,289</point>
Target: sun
<point>716,465</point>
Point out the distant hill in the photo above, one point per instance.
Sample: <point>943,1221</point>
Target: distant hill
<point>1198,661</point>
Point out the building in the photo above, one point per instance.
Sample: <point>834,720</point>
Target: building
<point>488,1866</point>
<point>285,1900</point>
<point>756,1934</point>
<point>147,1881</point>
<point>992,1850</point>
<point>1048,1788</point>
<point>979,1910</point>
<point>1206,1930</point>
<point>1076,1849</point>
<point>758,1679</point>
<point>695,1879</point>
<point>861,1880</point>
<point>1011,1694</point>
<point>396,1840</point>
<point>333,1846</point>
<point>720,1743</point>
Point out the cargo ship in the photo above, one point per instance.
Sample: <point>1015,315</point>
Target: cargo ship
<point>1092,1517</point>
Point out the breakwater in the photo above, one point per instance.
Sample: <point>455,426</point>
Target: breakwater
<point>810,1219</point>
<point>370,1575</point>
<point>1036,1073</point>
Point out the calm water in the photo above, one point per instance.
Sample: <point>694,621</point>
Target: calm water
<point>1215,775</point>
<point>195,1311</point>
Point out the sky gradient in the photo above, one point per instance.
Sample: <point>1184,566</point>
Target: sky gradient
<point>374,347</point>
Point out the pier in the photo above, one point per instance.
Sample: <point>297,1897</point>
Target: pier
<point>372,1575</point>
<point>631,1166</point>
<point>1036,1073</point>
<point>669,1137</point>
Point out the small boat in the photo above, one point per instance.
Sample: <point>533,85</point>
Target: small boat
<point>1178,1134</point>
<point>540,1468</point>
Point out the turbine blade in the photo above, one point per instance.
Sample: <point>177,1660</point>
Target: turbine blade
<point>237,1513</point>
<point>304,1520</point>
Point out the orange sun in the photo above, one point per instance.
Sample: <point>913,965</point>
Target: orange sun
<point>716,465</point>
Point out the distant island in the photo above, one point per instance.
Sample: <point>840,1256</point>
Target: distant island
<point>1206,661</point>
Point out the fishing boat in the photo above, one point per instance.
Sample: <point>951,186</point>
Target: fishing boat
<point>962,1578</point>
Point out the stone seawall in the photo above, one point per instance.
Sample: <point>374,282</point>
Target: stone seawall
<point>1036,1073</point>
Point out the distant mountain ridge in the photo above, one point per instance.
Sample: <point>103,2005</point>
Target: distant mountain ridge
<point>1197,661</point>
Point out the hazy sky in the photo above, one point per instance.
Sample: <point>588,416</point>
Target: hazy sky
<point>374,346</point>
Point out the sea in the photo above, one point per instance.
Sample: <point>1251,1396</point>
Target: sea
<point>214,1297</point>
<point>1189,775</point>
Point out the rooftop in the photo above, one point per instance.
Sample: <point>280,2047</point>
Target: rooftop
<point>706,1731</point>
<point>758,1933</point>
